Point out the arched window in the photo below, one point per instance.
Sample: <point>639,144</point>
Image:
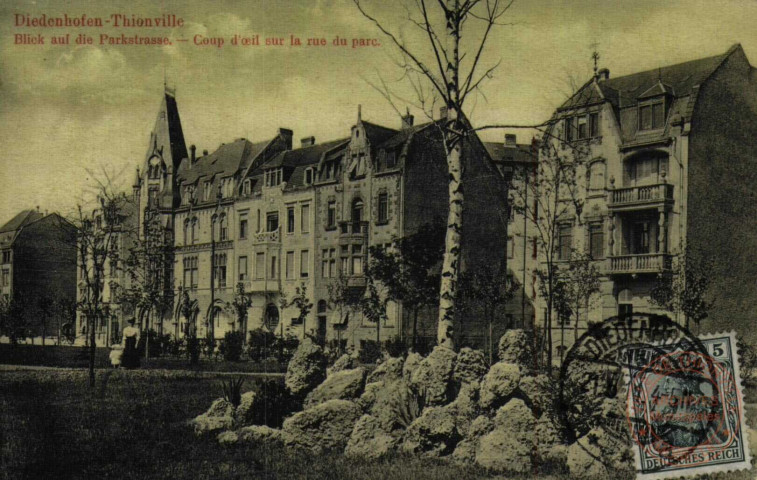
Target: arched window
<point>271,317</point>
<point>195,230</point>
<point>357,210</point>
<point>186,228</point>
<point>596,175</point>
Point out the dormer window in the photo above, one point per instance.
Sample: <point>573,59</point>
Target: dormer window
<point>391,159</point>
<point>652,115</point>
<point>273,177</point>
<point>246,187</point>
<point>308,176</point>
<point>206,192</point>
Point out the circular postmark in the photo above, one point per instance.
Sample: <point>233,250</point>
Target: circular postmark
<point>593,376</point>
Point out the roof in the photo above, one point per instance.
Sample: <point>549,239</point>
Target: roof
<point>501,153</point>
<point>376,133</point>
<point>679,80</point>
<point>225,161</point>
<point>299,159</point>
<point>22,219</point>
<point>167,137</point>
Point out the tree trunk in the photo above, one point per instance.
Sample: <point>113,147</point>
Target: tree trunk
<point>452,246</point>
<point>415,329</point>
<point>491,340</point>
<point>92,349</point>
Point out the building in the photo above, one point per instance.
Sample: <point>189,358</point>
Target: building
<point>670,169</point>
<point>274,218</point>
<point>38,269</point>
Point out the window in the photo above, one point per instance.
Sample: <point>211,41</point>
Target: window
<point>510,247</point>
<point>7,278</point>
<point>272,221</point>
<point>534,247</point>
<point>596,240</point>
<point>345,260</point>
<point>190,272</point>
<point>290,266</point>
<point>195,230</point>
<point>290,219</point>
<point>594,124</point>
<point>243,227</point>
<point>597,176</point>
<point>308,176</point>
<point>331,215</point>
<point>223,228</point>
<point>259,266</point>
<point>274,267</point>
<point>651,116</point>
<point>242,269</point>
<point>645,170</point>
<point>186,228</point>
<point>582,127</point>
<point>383,208</point>
<point>220,270</point>
<point>273,177</point>
<point>569,129</point>
<point>206,191</point>
<point>7,256</point>
<point>305,219</point>
<point>391,159</point>
<point>304,263</point>
<point>246,187</point>
<point>328,263</point>
<point>357,210</point>
<point>357,259</point>
<point>113,267</point>
<point>565,241</point>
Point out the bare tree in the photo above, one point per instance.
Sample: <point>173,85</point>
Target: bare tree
<point>97,233</point>
<point>447,70</point>
<point>301,302</point>
<point>551,199</point>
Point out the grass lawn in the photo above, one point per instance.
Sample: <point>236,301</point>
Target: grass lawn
<point>53,426</point>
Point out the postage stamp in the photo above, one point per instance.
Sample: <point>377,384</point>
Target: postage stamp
<point>686,410</point>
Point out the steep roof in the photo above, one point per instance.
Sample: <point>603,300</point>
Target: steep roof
<point>225,161</point>
<point>167,136</point>
<point>377,133</point>
<point>299,159</point>
<point>22,219</point>
<point>679,80</point>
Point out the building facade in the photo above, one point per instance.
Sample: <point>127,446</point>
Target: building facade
<point>667,170</point>
<point>274,219</point>
<point>39,270</point>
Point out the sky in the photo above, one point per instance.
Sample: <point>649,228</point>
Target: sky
<point>68,113</point>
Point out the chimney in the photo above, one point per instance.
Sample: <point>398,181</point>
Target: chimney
<point>511,139</point>
<point>407,120</point>
<point>442,113</point>
<point>287,135</point>
<point>205,153</point>
<point>307,142</point>
<point>604,74</point>
<point>193,155</point>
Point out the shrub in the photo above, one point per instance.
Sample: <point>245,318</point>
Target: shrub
<point>158,344</point>
<point>276,403</point>
<point>193,350</point>
<point>261,344</point>
<point>285,347</point>
<point>370,352</point>
<point>395,347</point>
<point>748,357</point>
<point>232,390</point>
<point>233,344</point>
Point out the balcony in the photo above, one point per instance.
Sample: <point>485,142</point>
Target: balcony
<point>353,232</point>
<point>267,237</point>
<point>645,196</point>
<point>640,263</point>
<point>271,285</point>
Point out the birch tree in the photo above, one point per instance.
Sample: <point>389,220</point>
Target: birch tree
<point>448,69</point>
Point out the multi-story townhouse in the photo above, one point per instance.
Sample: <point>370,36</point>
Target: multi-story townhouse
<point>273,218</point>
<point>670,169</point>
<point>38,265</point>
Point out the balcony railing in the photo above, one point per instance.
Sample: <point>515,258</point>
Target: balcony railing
<point>640,263</point>
<point>641,196</point>
<point>270,285</point>
<point>353,228</point>
<point>267,237</point>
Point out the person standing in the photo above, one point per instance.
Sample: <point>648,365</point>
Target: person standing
<point>130,341</point>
